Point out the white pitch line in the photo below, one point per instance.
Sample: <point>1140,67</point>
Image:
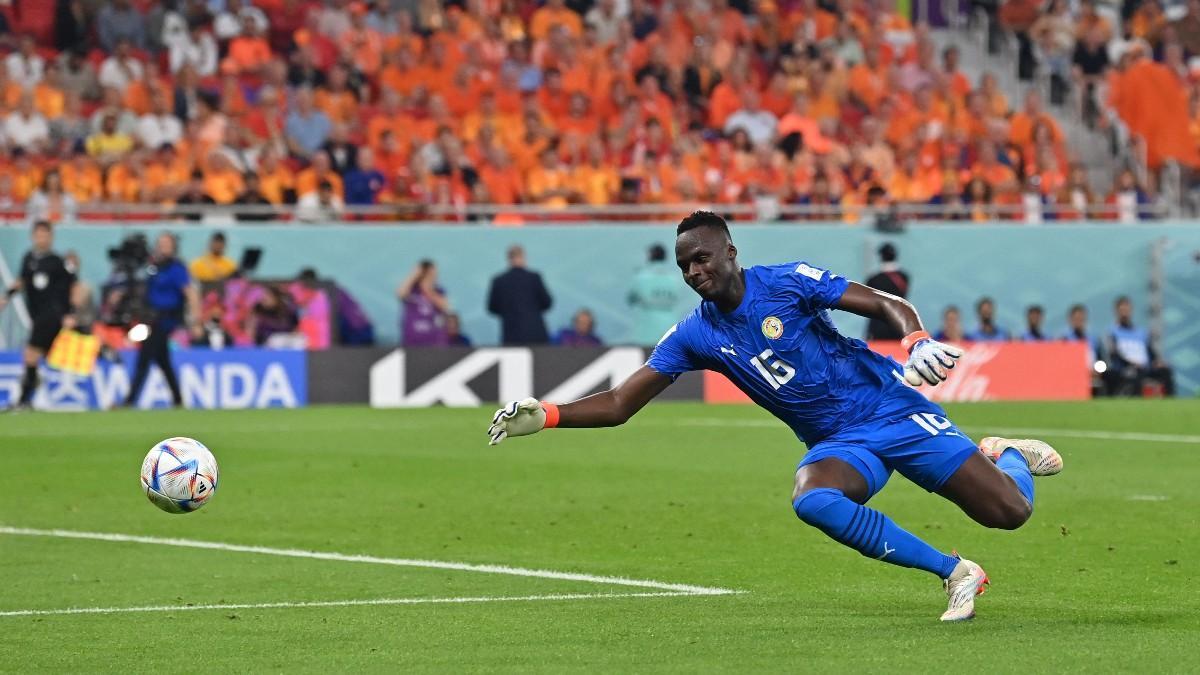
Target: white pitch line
<point>342,557</point>
<point>1064,433</point>
<point>341,603</point>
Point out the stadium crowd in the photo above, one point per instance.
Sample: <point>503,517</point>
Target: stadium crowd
<point>837,106</point>
<point>1138,58</point>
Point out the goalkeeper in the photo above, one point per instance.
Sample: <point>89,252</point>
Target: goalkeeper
<point>769,330</point>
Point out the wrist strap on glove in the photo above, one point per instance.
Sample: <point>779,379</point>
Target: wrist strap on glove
<point>551,414</point>
<point>913,338</point>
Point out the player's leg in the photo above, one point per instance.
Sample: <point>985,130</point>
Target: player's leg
<point>162,357</point>
<point>41,336</point>
<point>831,487</point>
<point>141,369</point>
<point>29,380</point>
<point>998,494</point>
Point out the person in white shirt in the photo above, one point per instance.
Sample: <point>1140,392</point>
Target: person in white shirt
<point>607,20</point>
<point>322,205</point>
<point>199,51</point>
<point>25,66</point>
<point>759,124</point>
<point>114,105</point>
<point>121,69</point>
<point>25,127</point>
<point>160,125</point>
<point>228,23</point>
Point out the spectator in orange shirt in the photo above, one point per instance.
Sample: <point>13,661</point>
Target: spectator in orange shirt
<point>988,167</point>
<point>579,119</point>
<point>48,95</point>
<point>390,157</point>
<point>248,52</point>
<point>907,184</point>
<point>364,43</point>
<point>959,84</point>
<point>996,101</point>
<point>1032,114</point>
<point>123,182</point>
<point>800,122</point>
<point>336,99</point>
<point>554,12</point>
<point>596,180</point>
<point>549,184</point>
<point>502,181</point>
<point>166,175</point>
<point>866,82</point>
<point>222,181</point>
<point>81,177</point>
<point>487,114</point>
<point>308,179</point>
<point>276,181</point>
<point>552,98</point>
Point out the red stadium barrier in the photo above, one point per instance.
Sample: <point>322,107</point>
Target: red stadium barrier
<point>989,371</point>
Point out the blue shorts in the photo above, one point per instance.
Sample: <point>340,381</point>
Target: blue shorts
<point>922,445</point>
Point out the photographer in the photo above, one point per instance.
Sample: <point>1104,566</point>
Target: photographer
<point>169,296</point>
<point>47,283</point>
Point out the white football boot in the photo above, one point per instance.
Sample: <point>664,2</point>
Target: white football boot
<point>966,581</point>
<point>1043,460</point>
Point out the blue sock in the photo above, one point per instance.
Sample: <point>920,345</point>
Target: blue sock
<point>869,532</point>
<point>1012,463</point>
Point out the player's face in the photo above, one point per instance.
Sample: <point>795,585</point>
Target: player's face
<point>43,239</point>
<point>708,261</point>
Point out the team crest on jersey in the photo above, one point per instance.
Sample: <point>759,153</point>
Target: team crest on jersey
<point>772,327</point>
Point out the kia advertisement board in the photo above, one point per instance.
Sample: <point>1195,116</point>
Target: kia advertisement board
<point>230,378</point>
<point>471,377</point>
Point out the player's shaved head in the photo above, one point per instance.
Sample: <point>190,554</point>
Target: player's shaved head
<point>707,258</point>
<point>703,219</point>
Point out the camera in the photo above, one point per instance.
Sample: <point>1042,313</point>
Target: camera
<point>124,293</point>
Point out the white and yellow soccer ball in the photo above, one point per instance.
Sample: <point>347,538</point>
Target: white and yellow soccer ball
<point>179,475</point>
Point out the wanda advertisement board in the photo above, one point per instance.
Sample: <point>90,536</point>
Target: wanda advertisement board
<point>471,377</point>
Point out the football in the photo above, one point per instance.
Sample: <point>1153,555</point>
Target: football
<point>179,475</point>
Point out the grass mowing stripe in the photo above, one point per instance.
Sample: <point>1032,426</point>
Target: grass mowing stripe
<point>342,557</point>
<point>343,603</point>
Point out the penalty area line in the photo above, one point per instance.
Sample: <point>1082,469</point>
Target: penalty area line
<point>343,603</point>
<point>684,589</point>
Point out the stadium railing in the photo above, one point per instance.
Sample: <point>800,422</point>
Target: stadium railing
<point>765,211</point>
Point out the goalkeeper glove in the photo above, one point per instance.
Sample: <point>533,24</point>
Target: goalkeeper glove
<point>521,418</point>
<point>928,359</point>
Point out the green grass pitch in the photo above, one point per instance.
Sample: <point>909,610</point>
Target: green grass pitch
<point>1102,579</point>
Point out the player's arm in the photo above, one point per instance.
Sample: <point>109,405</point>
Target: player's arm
<point>10,291</point>
<point>872,304</point>
<point>928,360</point>
<point>606,409</point>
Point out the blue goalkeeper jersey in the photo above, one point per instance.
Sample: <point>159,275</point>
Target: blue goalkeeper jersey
<point>781,348</point>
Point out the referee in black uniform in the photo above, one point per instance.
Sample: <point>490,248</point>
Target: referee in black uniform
<point>46,283</point>
<point>889,279</point>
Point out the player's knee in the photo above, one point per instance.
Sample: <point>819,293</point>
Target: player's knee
<point>813,506</point>
<point>1010,514</point>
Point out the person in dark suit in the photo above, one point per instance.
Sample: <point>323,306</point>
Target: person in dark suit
<point>519,298</point>
<point>889,279</point>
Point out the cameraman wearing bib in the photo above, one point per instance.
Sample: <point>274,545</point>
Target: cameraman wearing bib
<point>170,299</point>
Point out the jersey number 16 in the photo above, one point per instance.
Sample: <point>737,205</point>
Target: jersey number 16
<point>775,372</point>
